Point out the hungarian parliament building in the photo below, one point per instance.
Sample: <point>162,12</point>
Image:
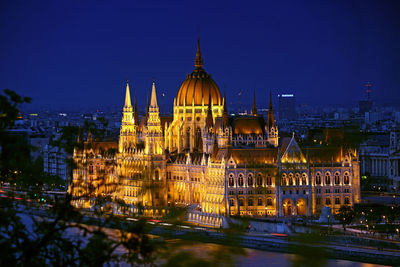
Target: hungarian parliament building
<point>213,163</point>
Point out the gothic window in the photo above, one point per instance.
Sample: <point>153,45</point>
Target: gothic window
<point>231,181</point>
<point>337,201</point>
<point>284,181</point>
<point>198,139</point>
<point>250,202</point>
<point>327,178</point>
<point>188,137</point>
<point>157,175</point>
<point>269,202</point>
<point>241,202</point>
<point>290,179</point>
<point>327,201</point>
<point>346,179</point>
<point>90,169</point>
<point>259,180</point>
<point>240,180</point>
<point>304,179</point>
<point>269,180</point>
<point>318,178</point>
<point>297,178</point>
<point>231,202</point>
<point>250,180</point>
<point>259,202</point>
<point>337,178</point>
<point>346,200</point>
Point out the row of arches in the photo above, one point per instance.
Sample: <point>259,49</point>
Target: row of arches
<point>337,179</point>
<point>290,180</point>
<point>250,181</point>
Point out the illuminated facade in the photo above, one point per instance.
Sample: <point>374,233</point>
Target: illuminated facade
<point>219,165</point>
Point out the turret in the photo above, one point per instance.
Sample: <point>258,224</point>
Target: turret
<point>209,119</point>
<point>270,118</point>
<point>254,109</point>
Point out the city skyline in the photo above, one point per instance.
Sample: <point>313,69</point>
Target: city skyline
<point>80,55</point>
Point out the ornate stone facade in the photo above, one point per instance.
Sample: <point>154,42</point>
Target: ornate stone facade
<point>220,165</point>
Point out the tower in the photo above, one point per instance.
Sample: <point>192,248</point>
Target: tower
<point>127,139</point>
<point>254,108</point>
<point>272,129</point>
<point>154,137</point>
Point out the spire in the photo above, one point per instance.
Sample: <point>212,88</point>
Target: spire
<point>89,136</point>
<point>198,62</point>
<point>209,119</point>
<point>136,113</point>
<point>254,109</point>
<point>270,118</point>
<point>79,139</point>
<point>225,113</point>
<point>127,96</point>
<point>153,103</point>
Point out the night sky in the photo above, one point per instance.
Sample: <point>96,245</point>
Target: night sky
<point>78,54</point>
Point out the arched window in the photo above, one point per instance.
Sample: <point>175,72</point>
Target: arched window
<point>337,201</point>
<point>231,180</point>
<point>188,137</point>
<point>284,181</point>
<point>240,182</point>
<point>241,202</point>
<point>346,179</point>
<point>290,179</point>
<point>297,178</point>
<point>318,178</point>
<point>327,178</point>
<point>198,140</point>
<point>269,201</point>
<point>269,180</point>
<point>250,180</point>
<point>346,200</point>
<point>250,202</point>
<point>337,178</point>
<point>231,202</point>
<point>259,202</point>
<point>259,180</point>
<point>157,175</point>
<point>304,179</point>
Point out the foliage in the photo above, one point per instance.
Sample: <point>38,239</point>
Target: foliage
<point>345,216</point>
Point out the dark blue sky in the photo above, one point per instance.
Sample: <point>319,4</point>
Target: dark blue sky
<point>80,53</point>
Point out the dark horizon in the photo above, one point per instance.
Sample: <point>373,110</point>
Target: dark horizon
<point>79,55</point>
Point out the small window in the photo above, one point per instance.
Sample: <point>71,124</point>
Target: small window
<point>327,201</point>
<point>269,201</point>
<point>231,202</point>
<point>346,200</point>
<point>304,179</point>
<point>337,201</point>
<point>241,202</point>
<point>250,202</point>
<point>259,202</point>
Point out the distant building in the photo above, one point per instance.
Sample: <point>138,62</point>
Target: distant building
<point>380,161</point>
<point>366,105</point>
<point>287,107</point>
<point>54,162</point>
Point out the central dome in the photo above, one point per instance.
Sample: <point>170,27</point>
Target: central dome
<point>198,86</point>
